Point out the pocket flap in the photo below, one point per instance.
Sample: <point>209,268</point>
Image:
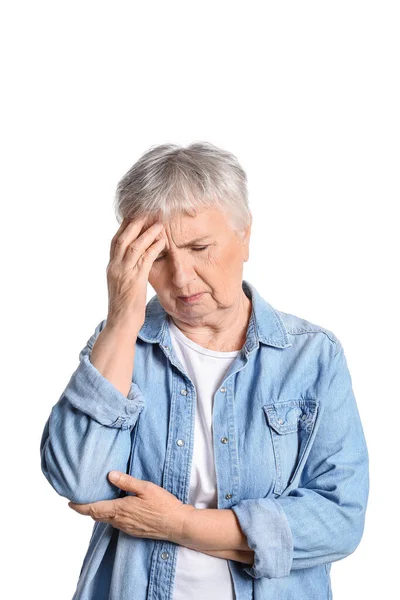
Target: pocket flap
<point>290,415</point>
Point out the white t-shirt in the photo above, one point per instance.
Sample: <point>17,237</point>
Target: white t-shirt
<point>200,576</point>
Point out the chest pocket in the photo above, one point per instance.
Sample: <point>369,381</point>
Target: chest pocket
<point>291,423</point>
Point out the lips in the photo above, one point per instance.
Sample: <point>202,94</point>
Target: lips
<point>192,298</point>
<point>191,295</point>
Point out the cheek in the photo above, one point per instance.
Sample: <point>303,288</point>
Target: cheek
<point>213,262</point>
<point>224,260</point>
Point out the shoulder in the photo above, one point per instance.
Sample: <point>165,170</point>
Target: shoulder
<point>299,326</point>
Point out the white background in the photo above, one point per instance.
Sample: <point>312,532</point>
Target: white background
<point>306,95</point>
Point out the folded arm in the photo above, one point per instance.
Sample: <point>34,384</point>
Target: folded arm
<point>88,433</point>
<point>320,521</point>
<point>215,532</point>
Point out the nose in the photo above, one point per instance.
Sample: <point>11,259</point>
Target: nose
<point>182,272</point>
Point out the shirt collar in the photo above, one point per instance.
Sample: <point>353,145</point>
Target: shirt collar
<point>265,324</point>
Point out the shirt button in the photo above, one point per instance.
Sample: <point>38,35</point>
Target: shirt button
<point>228,496</point>
<point>180,442</point>
<point>280,421</point>
<point>223,389</point>
<point>184,392</point>
<point>224,440</point>
<point>164,555</point>
<point>166,347</point>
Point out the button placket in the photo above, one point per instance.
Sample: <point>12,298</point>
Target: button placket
<point>225,440</point>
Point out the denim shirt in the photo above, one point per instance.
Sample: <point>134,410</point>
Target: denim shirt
<point>295,468</point>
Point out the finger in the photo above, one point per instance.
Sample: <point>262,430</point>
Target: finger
<point>138,247</point>
<point>147,259</point>
<point>126,482</point>
<point>83,509</point>
<point>128,229</point>
<point>122,227</point>
<point>104,510</point>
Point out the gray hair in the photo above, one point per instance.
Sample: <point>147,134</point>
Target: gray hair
<point>170,179</point>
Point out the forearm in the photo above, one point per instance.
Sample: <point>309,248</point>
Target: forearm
<point>239,555</point>
<point>212,529</point>
<point>113,356</point>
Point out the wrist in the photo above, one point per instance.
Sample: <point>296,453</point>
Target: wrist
<point>181,535</point>
<point>122,330</point>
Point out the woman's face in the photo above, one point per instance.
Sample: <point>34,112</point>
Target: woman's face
<point>187,265</point>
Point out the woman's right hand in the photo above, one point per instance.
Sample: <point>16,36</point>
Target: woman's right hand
<point>131,258</point>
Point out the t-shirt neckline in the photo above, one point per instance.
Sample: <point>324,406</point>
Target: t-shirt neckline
<point>181,337</point>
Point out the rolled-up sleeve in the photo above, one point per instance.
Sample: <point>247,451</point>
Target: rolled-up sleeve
<point>88,432</point>
<point>322,520</point>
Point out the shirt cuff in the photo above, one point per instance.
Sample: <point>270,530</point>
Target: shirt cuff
<point>268,533</point>
<point>93,394</point>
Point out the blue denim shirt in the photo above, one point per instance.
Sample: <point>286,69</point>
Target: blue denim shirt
<point>295,470</point>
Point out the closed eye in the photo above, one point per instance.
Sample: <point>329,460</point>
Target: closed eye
<point>195,248</point>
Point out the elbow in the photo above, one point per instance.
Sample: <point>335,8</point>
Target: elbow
<point>54,480</point>
<point>79,490</point>
<point>54,476</point>
<point>77,486</point>
<point>353,513</point>
<point>80,493</point>
<point>351,534</point>
<point>354,537</point>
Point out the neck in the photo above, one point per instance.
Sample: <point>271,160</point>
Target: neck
<point>227,334</point>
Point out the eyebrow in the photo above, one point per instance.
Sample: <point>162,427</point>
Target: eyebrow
<point>200,239</point>
<point>188,244</point>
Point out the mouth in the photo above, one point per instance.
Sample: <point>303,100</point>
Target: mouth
<point>193,298</point>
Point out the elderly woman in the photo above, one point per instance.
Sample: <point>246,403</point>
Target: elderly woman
<point>215,440</point>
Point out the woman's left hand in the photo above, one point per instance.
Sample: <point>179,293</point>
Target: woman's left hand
<point>153,513</point>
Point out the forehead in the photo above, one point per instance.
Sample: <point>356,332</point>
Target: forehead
<point>183,227</point>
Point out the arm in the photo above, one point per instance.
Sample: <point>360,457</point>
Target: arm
<point>88,432</point>
<point>322,520</point>
<point>215,532</point>
<point>211,529</point>
<point>238,555</point>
